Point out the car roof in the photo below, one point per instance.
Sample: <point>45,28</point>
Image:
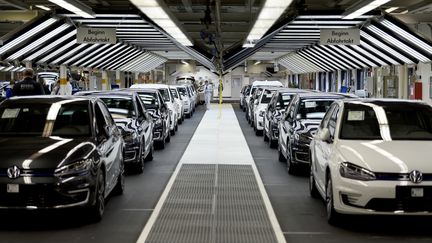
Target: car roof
<point>267,83</point>
<point>114,93</point>
<point>318,95</point>
<point>382,101</point>
<point>138,90</point>
<point>292,90</point>
<point>48,99</point>
<point>155,86</point>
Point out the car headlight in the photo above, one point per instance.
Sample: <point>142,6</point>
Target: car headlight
<point>302,138</point>
<point>352,171</point>
<point>129,136</point>
<point>78,168</point>
<point>261,113</point>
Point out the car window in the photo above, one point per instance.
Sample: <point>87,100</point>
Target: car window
<point>327,116</point>
<point>119,107</point>
<point>106,114</point>
<point>35,119</point>
<point>332,121</point>
<point>313,108</point>
<point>150,100</point>
<point>266,96</point>
<point>291,109</point>
<point>284,99</point>
<point>165,95</point>
<point>100,123</point>
<point>174,93</point>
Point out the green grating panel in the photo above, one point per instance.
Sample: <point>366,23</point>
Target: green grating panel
<point>213,203</point>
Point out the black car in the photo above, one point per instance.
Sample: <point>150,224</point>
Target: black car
<point>274,112</point>
<point>136,125</point>
<point>59,152</point>
<point>300,122</point>
<point>158,110</point>
<point>243,94</point>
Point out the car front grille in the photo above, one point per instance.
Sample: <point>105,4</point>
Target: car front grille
<point>40,196</point>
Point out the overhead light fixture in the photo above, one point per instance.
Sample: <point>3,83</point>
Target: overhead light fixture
<point>270,12</point>
<point>389,10</point>
<point>363,7</point>
<point>43,7</point>
<point>76,7</point>
<point>155,10</point>
<point>257,62</point>
<point>404,12</point>
<point>184,62</point>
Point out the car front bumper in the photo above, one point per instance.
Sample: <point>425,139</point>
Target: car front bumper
<point>381,197</point>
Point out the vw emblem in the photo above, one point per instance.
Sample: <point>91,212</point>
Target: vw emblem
<point>13,172</point>
<point>416,176</point>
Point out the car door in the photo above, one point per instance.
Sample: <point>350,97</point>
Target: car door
<point>145,127</point>
<point>111,146</point>
<point>285,125</point>
<point>269,113</point>
<point>323,149</point>
<point>165,113</point>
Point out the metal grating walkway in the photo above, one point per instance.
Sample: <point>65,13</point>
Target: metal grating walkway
<point>216,193</point>
<point>213,203</point>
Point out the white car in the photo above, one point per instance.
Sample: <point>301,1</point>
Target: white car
<point>169,100</point>
<point>179,104</point>
<point>187,103</point>
<point>261,106</point>
<point>373,157</point>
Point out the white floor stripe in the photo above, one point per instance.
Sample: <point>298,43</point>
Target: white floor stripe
<point>217,140</point>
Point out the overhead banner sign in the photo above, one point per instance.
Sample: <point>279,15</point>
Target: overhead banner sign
<point>340,37</point>
<point>96,35</point>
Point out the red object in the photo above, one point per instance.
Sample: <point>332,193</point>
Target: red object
<point>418,90</point>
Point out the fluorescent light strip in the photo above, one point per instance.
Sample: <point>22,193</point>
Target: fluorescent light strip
<point>343,53</point>
<point>50,46</point>
<point>120,32</point>
<point>358,56</point>
<point>69,53</point>
<point>43,7</point>
<point>340,56</point>
<point>105,15</point>
<point>113,21</point>
<point>100,48</point>
<point>321,59</point>
<point>270,12</point>
<point>314,60</point>
<point>121,25</point>
<point>319,22</point>
<point>319,26</point>
<point>334,58</point>
<point>92,47</point>
<point>300,66</point>
<point>378,52</point>
<point>325,59</point>
<point>75,7</point>
<point>364,9</point>
<point>305,37</point>
<point>407,35</point>
<point>330,17</point>
<point>398,43</point>
<point>56,52</point>
<point>156,12</point>
<point>386,47</point>
<point>116,63</point>
<point>288,64</point>
<point>146,65</point>
<point>305,62</point>
<point>361,50</point>
<point>126,50</point>
<point>20,39</point>
<point>106,57</point>
<point>120,56</point>
<point>38,42</point>
<point>121,29</point>
<point>134,61</point>
<point>8,68</point>
<point>85,64</point>
<point>300,31</point>
<point>389,10</point>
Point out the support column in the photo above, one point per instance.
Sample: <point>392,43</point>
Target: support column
<point>136,77</point>
<point>338,81</point>
<point>118,81</point>
<point>104,80</point>
<point>28,65</point>
<point>63,81</point>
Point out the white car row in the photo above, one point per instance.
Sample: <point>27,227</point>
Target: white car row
<point>368,156</point>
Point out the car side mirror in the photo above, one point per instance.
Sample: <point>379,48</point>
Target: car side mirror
<point>256,102</point>
<point>108,131</point>
<point>325,135</point>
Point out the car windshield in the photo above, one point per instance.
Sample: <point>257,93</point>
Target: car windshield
<point>62,119</point>
<point>266,96</point>
<point>119,107</point>
<point>149,99</point>
<point>313,108</point>
<point>174,93</point>
<point>284,99</point>
<point>165,94</point>
<point>182,91</point>
<point>394,121</point>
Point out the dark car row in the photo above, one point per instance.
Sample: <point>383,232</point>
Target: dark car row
<point>72,151</point>
<point>287,120</point>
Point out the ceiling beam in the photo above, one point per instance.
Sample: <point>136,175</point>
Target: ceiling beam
<point>16,4</point>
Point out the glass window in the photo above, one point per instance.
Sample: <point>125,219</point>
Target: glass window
<point>66,120</point>
<point>149,99</point>
<point>165,95</point>
<point>332,122</point>
<point>106,114</point>
<point>313,108</point>
<point>174,93</point>
<point>266,96</point>
<point>284,99</point>
<point>119,107</point>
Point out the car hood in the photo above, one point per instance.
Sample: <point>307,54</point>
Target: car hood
<point>125,124</point>
<point>43,153</point>
<point>306,126</point>
<point>388,156</point>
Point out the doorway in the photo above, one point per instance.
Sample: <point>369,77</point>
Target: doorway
<point>236,85</point>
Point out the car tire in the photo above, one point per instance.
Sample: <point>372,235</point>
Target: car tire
<point>313,191</point>
<point>291,167</point>
<point>265,137</point>
<point>168,138</point>
<point>258,132</point>
<point>120,185</point>
<point>281,157</point>
<point>176,127</point>
<point>150,154</point>
<point>139,165</point>
<point>96,211</point>
<point>333,217</point>
<point>273,143</point>
<point>161,144</point>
